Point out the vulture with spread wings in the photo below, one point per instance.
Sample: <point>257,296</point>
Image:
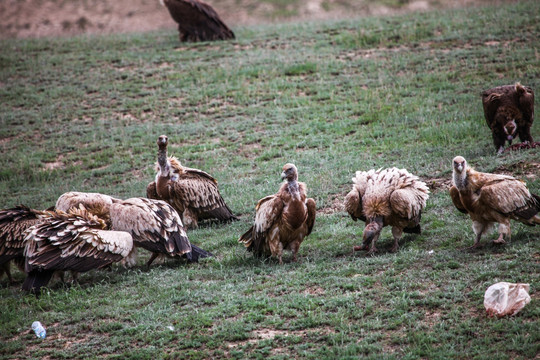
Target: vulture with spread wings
<point>197,21</point>
<point>192,192</point>
<point>282,220</point>
<point>386,197</point>
<point>153,224</point>
<point>76,241</point>
<point>509,112</point>
<point>492,198</point>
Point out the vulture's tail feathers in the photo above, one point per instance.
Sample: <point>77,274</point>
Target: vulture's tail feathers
<point>197,253</point>
<point>247,239</point>
<point>36,279</point>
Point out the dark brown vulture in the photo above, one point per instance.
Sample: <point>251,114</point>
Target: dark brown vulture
<point>14,223</point>
<point>492,198</point>
<point>282,220</point>
<point>193,193</point>
<point>76,241</point>
<point>153,224</point>
<point>509,112</point>
<point>197,21</point>
<point>386,197</point>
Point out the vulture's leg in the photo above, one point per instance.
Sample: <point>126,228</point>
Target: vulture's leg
<point>479,230</point>
<point>373,249</point>
<point>5,268</point>
<point>276,248</point>
<point>74,277</point>
<point>190,219</point>
<point>295,246</point>
<point>396,232</point>
<point>151,260</point>
<point>504,229</point>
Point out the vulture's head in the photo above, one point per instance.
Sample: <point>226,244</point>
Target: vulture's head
<point>510,129</point>
<point>459,164</point>
<point>289,172</point>
<point>162,141</point>
<point>372,230</point>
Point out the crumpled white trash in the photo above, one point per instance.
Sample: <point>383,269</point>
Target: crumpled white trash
<point>505,298</point>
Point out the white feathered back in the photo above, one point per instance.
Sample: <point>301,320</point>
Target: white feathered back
<point>385,191</point>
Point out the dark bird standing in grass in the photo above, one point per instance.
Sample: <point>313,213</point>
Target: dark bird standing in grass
<point>192,192</point>
<point>492,198</point>
<point>14,223</point>
<point>197,21</point>
<point>283,220</point>
<point>385,197</point>
<point>76,241</point>
<point>509,112</point>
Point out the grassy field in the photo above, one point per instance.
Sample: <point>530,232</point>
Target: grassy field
<point>84,113</point>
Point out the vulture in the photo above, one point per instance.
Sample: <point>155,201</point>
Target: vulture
<point>509,112</point>
<point>385,197</point>
<point>192,192</point>
<point>153,224</point>
<point>197,21</point>
<point>76,241</point>
<point>14,223</point>
<point>492,198</point>
<point>282,220</point>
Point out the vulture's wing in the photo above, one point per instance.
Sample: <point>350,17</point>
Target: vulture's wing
<point>154,225</point>
<point>199,191</point>
<point>353,205</point>
<point>526,102</point>
<point>13,224</point>
<point>509,197</point>
<point>67,242</point>
<point>198,19</point>
<point>312,210</point>
<point>491,101</point>
<point>456,199</point>
<point>268,211</point>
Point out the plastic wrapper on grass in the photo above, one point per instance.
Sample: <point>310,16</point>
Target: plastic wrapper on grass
<point>505,298</point>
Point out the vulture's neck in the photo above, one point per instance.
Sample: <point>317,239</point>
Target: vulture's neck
<point>294,188</point>
<point>460,179</point>
<point>164,165</point>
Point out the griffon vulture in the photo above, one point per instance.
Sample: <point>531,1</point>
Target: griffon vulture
<point>509,112</point>
<point>14,223</point>
<point>197,21</point>
<point>385,197</point>
<point>76,241</point>
<point>492,198</point>
<point>153,224</point>
<point>282,220</point>
<point>193,193</point>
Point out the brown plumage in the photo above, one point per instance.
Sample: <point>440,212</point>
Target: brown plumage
<point>385,197</point>
<point>492,198</point>
<point>153,224</point>
<point>14,223</point>
<point>76,241</point>
<point>282,220</point>
<point>193,193</point>
<point>509,112</point>
<point>197,21</point>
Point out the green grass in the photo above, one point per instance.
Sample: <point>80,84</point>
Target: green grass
<point>332,97</point>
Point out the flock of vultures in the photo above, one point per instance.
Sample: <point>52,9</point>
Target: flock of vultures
<point>85,231</point>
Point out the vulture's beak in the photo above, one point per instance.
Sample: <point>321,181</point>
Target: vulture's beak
<point>283,175</point>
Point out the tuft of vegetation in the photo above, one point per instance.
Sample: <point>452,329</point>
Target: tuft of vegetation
<point>83,114</point>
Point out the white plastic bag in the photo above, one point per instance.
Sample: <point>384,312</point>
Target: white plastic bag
<point>504,298</point>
